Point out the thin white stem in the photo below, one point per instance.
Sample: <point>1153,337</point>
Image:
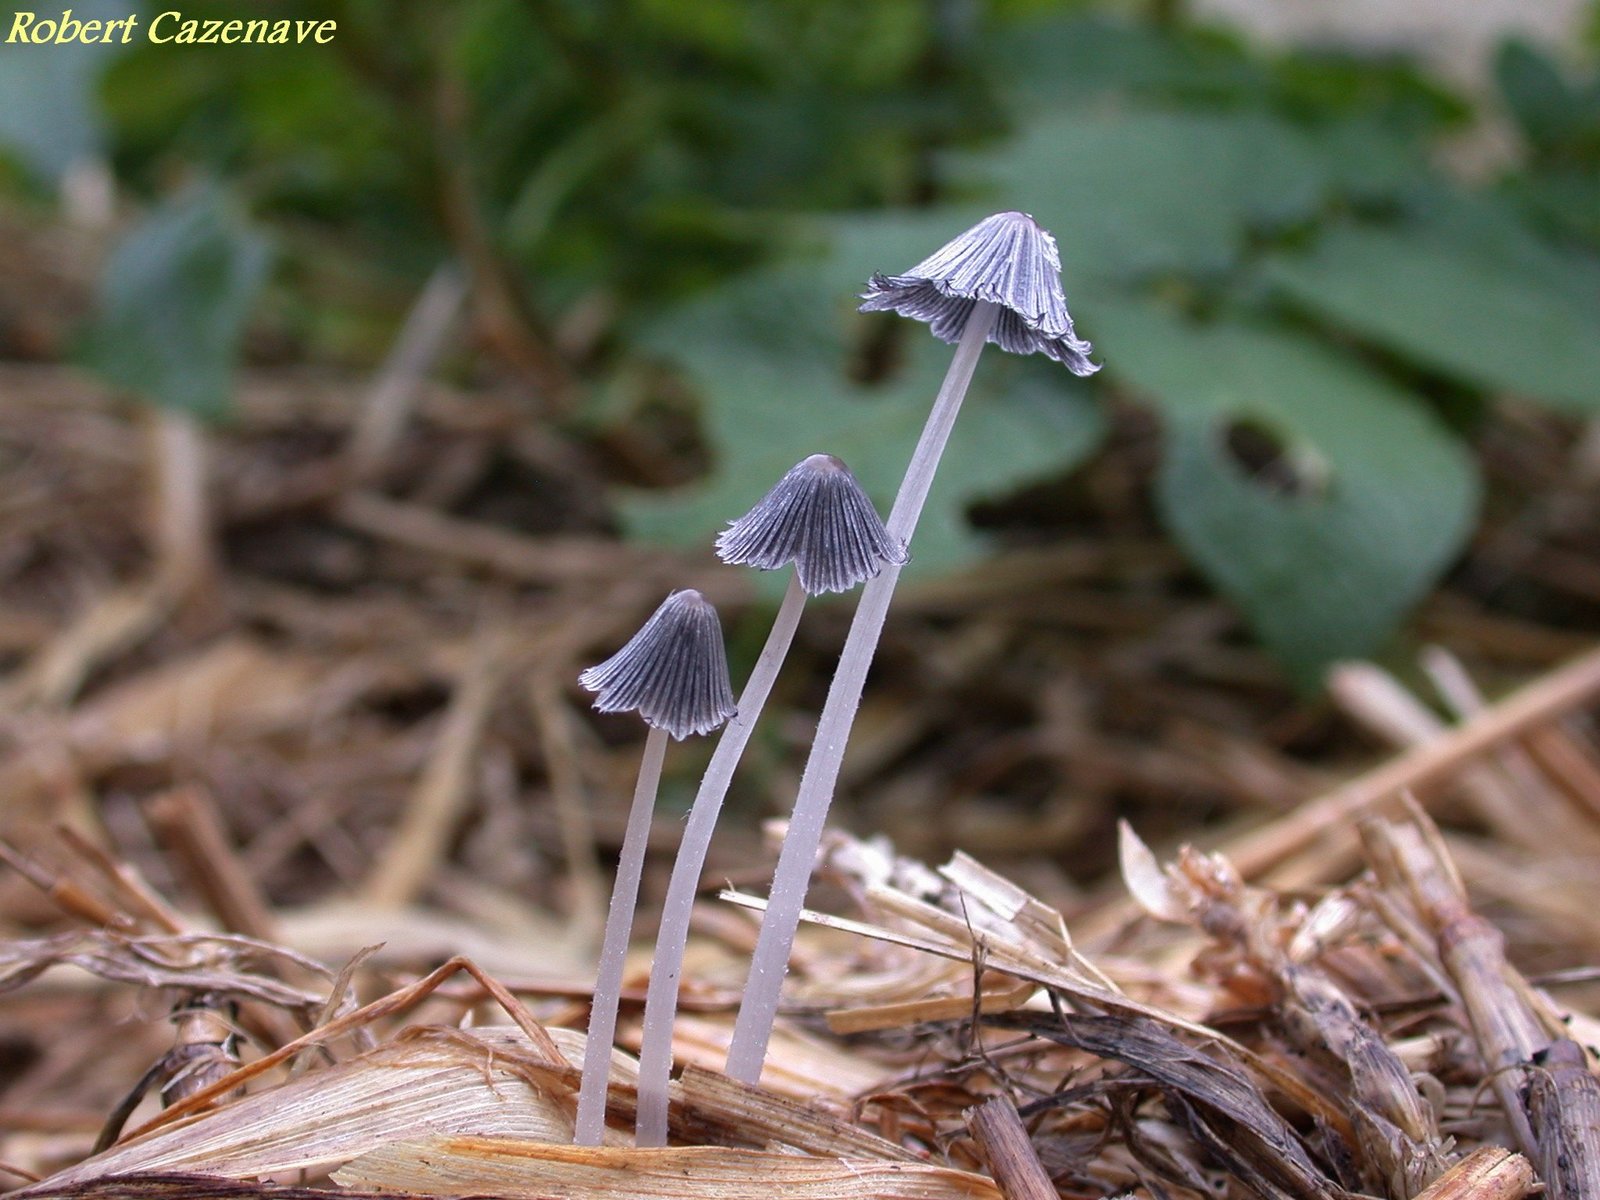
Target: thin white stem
<point>759,1008</point>
<point>661,1002</point>
<point>183,510</point>
<point>591,1123</point>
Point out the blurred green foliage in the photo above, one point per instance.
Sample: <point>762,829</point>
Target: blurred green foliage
<point>1260,244</point>
<point>48,116</point>
<point>173,302</point>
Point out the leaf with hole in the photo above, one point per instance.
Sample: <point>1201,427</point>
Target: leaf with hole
<point>1363,500</point>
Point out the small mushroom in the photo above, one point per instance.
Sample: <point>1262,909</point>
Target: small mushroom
<point>1000,282</point>
<point>817,518</point>
<point>674,674</point>
<point>1005,260</point>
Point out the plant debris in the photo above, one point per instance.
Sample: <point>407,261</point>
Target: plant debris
<point>246,822</point>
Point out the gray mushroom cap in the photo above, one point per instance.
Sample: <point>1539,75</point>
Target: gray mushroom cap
<point>673,672</point>
<point>818,518</point>
<point>1006,260</point>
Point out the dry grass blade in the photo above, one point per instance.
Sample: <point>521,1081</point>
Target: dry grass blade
<point>950,937</point>
<point>1392,1130</point>
<point>465,1166</point>
<point>492,1082</point>
<point>434,807</point>
<point>416,349</point>
<point>549,561</point>
<point>397,1002</point>
<point>112,624</point>
<point>918,1012</point>
<point>802,1066</point>
<point>138,899</point>
<point>1036,951</point>
<point>554,725</point>
<point>66,893</point>
<point>187,822</point>
<point>1508,1020</point>
<point>1217,1101</point>
<point>178,1186</point>
<point>192,962</point>
<point>1422,767</point>
<point>709,1107</point>
<point>233,688</point>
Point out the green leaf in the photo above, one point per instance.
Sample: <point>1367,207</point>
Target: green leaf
<point>768,356</point>
<point>1549,112</point>
<point>173,302</point>
<point>48,109</point>
<point>1386,495</point>
<point>1565,201</point>
<point>1129,194</point>
<point>1082,58</point>
<point>1467,308</point>
<point>1067,60</point>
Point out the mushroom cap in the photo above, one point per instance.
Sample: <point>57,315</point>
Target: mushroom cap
<point>1006,260</point>
<point>818,518</point>
<point>673,672</point>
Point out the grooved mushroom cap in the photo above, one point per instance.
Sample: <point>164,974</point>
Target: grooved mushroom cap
<point>673,672</point>
<point>818,518</point>
<point>1006,260</point>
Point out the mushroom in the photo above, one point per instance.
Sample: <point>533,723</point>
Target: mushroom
<point>674,674</point>
<point>818,518</point>
<point>1000,282</point>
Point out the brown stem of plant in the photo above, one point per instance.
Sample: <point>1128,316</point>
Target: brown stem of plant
<point>1013,1162</point>
<point>186,821</point>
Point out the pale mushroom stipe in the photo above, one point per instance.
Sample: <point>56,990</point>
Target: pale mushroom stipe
<point>999,281</point>
<point>817,518</point>
<point>674,674</point>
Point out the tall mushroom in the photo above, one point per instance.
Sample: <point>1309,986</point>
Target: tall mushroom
<point>674,674</point>
<point>818,518</point>
<point>999,282</point>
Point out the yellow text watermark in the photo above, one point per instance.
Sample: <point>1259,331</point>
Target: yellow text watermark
<point>172,27</point>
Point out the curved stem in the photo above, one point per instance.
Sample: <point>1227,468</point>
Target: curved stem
<point>661,1003</point>
<point>759,1008</point>
<point>591,1123</point>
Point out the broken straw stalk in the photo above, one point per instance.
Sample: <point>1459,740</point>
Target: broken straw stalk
<point>818,518</point>
<point>999,282</point>
<point>674,673</point>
